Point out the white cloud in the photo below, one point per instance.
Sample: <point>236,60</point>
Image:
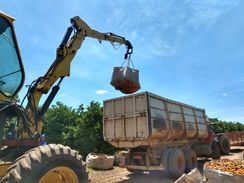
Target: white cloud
<point>96,49</point>
<point>163,50</point>
<point>81,73</point>
<point>62,95</point>
<point>208,12</point>
<point>133,35</point>
<point>101,92</point>
<point>229,114</point>
<point>224,94</point>
<point>239,80</point>
<point>228,110</point>
<point>180,30</point>
<point>179,20</point>
<point>239,90</point>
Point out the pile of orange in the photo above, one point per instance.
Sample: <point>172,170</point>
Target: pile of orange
<point>226,165</point>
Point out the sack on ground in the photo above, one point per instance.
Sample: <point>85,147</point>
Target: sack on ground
<point>125,79</point>
<point>119,158</point>
<point>99,161</point>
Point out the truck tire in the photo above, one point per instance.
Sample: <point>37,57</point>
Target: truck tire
<point>48,163</point>
<point>224,144</point>
<point>216,154</point>
<point>191,160</point>
<point>176,163</point>
<point>165,160</point>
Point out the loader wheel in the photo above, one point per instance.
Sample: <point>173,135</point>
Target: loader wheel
<point>224,144</point>
<point>191,160</point>
<point>175,162</point>
<point>49,163</point>
<point>216,154</point>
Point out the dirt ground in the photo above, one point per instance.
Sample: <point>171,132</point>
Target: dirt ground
<point>123,176</point>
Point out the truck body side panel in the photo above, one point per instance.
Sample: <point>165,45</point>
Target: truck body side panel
<point>126,120</point>
<point>145,118</point>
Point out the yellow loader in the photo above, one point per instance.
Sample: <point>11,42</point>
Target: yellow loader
<point>22,159</point>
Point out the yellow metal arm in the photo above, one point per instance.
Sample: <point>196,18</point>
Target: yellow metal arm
<point>79,23</point>
<point>60,68</point>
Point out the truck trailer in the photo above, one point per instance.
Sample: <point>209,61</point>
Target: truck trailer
<point>159,133</point>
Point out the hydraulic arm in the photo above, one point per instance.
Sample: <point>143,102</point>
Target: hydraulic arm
<point>60,68</point>
<point>21,126</point>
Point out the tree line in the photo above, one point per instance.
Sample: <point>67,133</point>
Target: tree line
<point>82,128</point>
<point>220,126</point>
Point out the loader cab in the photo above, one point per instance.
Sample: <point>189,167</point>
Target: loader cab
<point>11,68</point>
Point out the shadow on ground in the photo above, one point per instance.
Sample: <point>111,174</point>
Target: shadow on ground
<point>148,176</point>
<point>157,176</point>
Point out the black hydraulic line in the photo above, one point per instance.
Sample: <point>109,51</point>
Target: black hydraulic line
<point>129,49</point>
<point>49,99</point>
<point>67,36</point>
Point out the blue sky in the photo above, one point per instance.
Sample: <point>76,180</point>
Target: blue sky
<point>188,51</point>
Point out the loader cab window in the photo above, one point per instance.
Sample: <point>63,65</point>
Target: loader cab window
<point>11,69</point>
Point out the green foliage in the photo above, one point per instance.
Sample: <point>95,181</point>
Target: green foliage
<point>224,126</point>
<point>81,129</point>
<point>57,123</point>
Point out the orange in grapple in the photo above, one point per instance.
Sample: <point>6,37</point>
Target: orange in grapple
<point>125,79</point>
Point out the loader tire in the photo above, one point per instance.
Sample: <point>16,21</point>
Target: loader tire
<point>52,163</point>
<point>191,160</point>
<point>224,144</point>
<point>175,163</point>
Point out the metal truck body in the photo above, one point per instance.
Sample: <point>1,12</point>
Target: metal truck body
<point>145,118</point>
<point>160,133</point>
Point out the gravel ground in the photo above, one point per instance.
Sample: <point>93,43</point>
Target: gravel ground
<point>122,175</point>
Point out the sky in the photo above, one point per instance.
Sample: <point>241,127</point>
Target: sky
<point>188,51</point>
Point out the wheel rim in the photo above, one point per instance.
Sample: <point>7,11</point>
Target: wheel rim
<point>60,175</point>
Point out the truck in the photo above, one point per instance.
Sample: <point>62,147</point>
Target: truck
<point>236,138</point>
<point>159,133</point>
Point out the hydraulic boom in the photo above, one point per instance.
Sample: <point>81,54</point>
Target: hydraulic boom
<point>60,68</point>
<point>21,126</point>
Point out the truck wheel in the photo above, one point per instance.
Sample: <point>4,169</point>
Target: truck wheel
<point>216,154</point>
<point>165,160</point>
<point>48,163</point>
<point>191,160</point>
<point>224,144</point>
<point>176,163</point>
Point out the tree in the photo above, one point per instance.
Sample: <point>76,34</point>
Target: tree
<point>89,133</point>
<point>58,123</point>
<point>239,126</point>
<point>80,128</point>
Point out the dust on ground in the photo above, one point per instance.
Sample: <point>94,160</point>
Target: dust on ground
<point>122,175</point>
